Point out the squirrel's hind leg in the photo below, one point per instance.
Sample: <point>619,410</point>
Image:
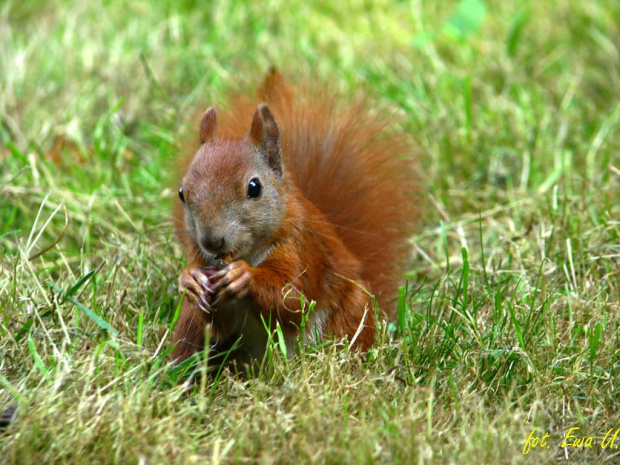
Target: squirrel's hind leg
<point>189,332</point>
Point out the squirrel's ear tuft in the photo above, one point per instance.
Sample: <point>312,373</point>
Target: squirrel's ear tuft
<point>208,126</point>
<point>266,135</point>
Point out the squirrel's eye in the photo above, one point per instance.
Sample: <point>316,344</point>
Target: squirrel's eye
<point>181,196</point>
<point>254,189</point>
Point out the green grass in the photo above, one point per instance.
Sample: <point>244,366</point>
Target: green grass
<point>510,321</point>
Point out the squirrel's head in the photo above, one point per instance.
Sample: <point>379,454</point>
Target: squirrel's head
<point>233,191</point>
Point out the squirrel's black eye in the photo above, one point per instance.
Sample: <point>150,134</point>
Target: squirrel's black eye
<point>254,189</point>
<point>181,196</point>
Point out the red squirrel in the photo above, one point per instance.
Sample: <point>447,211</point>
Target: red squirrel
<point>291,193</point>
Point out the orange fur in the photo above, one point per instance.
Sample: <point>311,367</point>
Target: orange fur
<point>349,208</point>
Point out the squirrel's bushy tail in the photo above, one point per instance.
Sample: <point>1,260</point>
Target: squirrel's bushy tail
<point>349,162</point>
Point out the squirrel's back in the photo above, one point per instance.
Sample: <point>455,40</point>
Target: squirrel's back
<point>349,163</point>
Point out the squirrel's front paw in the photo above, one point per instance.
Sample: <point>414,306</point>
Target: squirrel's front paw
<point>198,284</point>
<point>233,282</point>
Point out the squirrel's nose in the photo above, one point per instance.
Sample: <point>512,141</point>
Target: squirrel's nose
<point>213,244</point>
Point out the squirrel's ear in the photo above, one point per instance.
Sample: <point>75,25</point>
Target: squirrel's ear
<point>208,125</point>
<point>266,135</point>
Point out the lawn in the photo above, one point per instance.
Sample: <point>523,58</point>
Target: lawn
<point>508,327</point>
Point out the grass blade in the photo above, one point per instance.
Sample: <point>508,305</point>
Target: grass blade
<point>103,324</point>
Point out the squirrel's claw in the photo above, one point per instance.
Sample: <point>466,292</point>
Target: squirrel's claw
<point>197,287</point>
<point>233,282</point>
<point>199,299</point>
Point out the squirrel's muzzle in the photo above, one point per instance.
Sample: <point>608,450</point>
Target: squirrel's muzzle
<point>213,244</point>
